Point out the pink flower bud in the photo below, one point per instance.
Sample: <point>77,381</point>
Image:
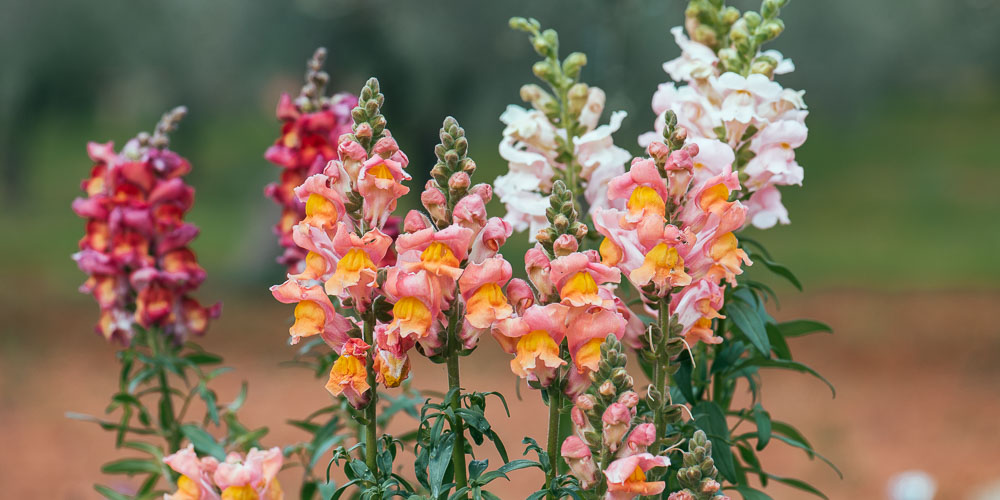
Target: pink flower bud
<point>459,181</point>
<point>565,245</point>
<point>490,238</point>
<point>364,130</point>
<point>470,211</point>
<point>520,295</point>
<point>585,401</point>
<point>616,419</point>
<point>682,495</point>
<point>415,221</point>
<point>484,191</point>
<point>434,201</point>
<point>658,151</point>
<point>641,437</point>
<point>710,486</point>
<point>606,389</point>
<point>537,266</point>
<point>352,155</point>
<point>385,147</point>
<point>580,460</point>
<point>629,399</point>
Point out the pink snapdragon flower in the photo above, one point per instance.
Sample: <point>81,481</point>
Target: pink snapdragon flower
<point>238,477</point>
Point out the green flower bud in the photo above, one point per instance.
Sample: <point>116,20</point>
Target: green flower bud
<point>729,15</point>
<point>740,32</point>
<point>574,63</point>
<point>772,28</point>
<point>763,65</point>
<point>769,9</point>
<point>752,19</point>
<point>543,70</point>
<point>704,35</point>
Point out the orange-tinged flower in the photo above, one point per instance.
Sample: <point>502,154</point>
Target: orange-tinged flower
<point>240,493</point>
<point>644,201</point>
<point>664,267</point>
<point>411,317</point>
<point>487,305</point>
<point>580,290</point>
<point>348,375</point>
<point>437,252</point>
<point>589,355</point>
<point>627,476</point>
<point>726,253</point>
<point>537,357</point>
<point>611,253</point>
<point>391,370</point>
<point>310,319</point>
<point>320,212</point>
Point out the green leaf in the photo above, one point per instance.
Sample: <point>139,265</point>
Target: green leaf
<point>131,466</point>
<point>211,404</point>
<point>710,418</point>
<point>798,484</point>
<point>778,269</point>
<point>747,321</point>
<point>788,364</point>
<point>763,421</point>
<point>109,493</point>
<point>145,447</point>
<point>801,327</point>
<point>778,343</point>
<point>749,493</point>
<point>203,441</point>
<point>203,358</point>
<point>241,398</point>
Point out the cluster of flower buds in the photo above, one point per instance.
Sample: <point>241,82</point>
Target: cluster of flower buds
<point>573,300</point>
<point>674,237</point>
<point>559,138</point>
<point>697,476</point>
<point>312,126</point>
<point>251,477</point>
<point>608,439</point>
<point>448,282</point>
<point>729,103</point>
<point>343,232</point>
<point>136,246</point>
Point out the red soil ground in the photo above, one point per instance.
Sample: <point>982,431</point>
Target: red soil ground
<point>917,377</point>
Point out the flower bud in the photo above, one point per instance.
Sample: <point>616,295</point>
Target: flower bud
<point>577,96</point>
<point>520,295</point>
<point>564,245</point>
<point>710,486</point>
<point>682,495</point>
<point>363,130</point>
<point>459,181</point>
<point>752,19</point>
<point>730,15</point>
<point>629,398</point>
<point>484,191</point>
<point>641,437</point>
<point>580,461</point>
<point>543,70</point>
<point>415,221</point>
<point>607,389</point>
<point>763,65</point>
<point>585,402</point>
<point>435,202</point>
<point>560,222</point>
<point>704,35</point>
<point>537,266</point>
<point>574,63</point>
<point>772,28</point>
<point>470,212</point>
<point>616,421</point>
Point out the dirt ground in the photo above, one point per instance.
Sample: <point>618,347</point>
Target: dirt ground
<point>917,377</point>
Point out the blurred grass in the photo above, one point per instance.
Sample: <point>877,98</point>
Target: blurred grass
<point>901,200</point>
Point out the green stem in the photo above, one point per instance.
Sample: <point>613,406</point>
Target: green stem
<point>555,404</point>
<point>458,426</point>
<point>171,430</point>
<point>660,370</point>
<point>371,429</point>
<point>564,121</point>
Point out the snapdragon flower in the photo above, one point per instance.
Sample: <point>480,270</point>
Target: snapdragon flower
<point>312,124</point>
<point>675,236</point>
<point>238,477</point>
<point>727,100</point>
<point>135,251</point>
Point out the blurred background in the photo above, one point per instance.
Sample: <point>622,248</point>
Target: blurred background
<point>895,232</point>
